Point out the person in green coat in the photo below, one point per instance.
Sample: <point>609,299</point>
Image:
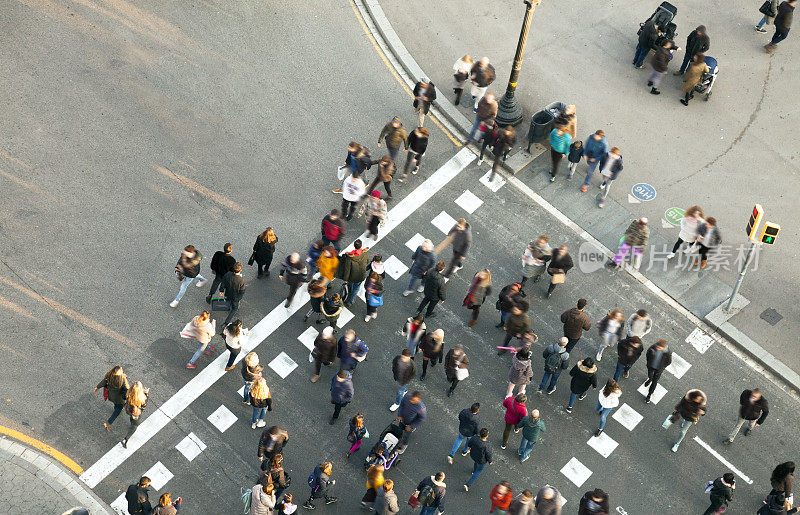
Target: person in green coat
<point>532,427</point>
<point>353,270</point>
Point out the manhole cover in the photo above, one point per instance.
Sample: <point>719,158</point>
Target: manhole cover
<point>771,316</point>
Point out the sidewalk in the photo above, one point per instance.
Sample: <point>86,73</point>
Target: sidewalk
<point>701,294</point>
<point>31,482</point>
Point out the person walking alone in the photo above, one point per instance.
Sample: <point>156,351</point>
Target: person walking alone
<point>202,328</point>
<point>693,77</point>
<point>628,351</point>
<point>386,169</point>
<point>115,390</point>
<point>422,259</point>
<point>639,324</point>
<point>417,144</point>
<point>575,321</point>
<point>532,427</point>
<point>584,376</point>
<point>556,360</point>
<point>659,356</point>
<point>221,263</point>
<point>263,250</point>
<point>559,265</point>
<point>753,410</point>
<point>610,328</point>
<point>478,449</point>
<point>295,273</point>
<point>480,288</point>
<point>233,334</point>
<point>460,236</point>
<point>341,392</point>
<point>610,167</point>
<point>721,493</point>
<point>560,141</point>
<point>697,42</point>
<point>187,268</point>
<point>434,290</point>
<point>261,399</point>
<point>534,259</point>
<point>424,96</point>
<point>324,352</point>
<point>233,286</point>
<point>134,406</point>
<point>482,75</point>
<point>607,399</point>
<point>468,423</point>
<point>414,331</point>
<point>691,407</point>
<point>403,371</point>
<point>635,241</point>
<point>333,229</point>
<point>456,365</point>
<point>783,22</point>
<point>320,482</point>
<point>461,71</point>
<point>394,135</point>
<point>515,411</point>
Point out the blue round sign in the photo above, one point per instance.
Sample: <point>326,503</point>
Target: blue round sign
<point>643,191</point>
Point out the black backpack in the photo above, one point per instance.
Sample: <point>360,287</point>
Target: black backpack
<point>427,497</point>
<point>556,361</point>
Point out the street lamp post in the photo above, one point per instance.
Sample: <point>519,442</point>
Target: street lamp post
<point>509,111</point>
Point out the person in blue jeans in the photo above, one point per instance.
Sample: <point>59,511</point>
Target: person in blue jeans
<point>607,400</point>
<point>468,423</point>
<point>647,40</point>
<point>403,371</point>
<point>532,427</point>
<point>594,149</point>
<point>584,376</point>
<point>783,22</point>
<point>431,493</point>
<point>481,455</point>
<point>556,360</point>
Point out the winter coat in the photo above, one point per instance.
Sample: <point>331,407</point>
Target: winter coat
<point>588,507</point>
<point>697,43</point>
<point>544,506</point>
<point>138,502</point>
<point>411,414</point>
<point>515,411</point>
<point>461,240</point>
<point>386,502</point>
<point>609,401</point>
<point>757,411</point>
<point>116,395</point>
<point>616,166</point>
<point>521,372</point>
<point>693,76</point>
<point>637,235</point>
<point>374,207</point>
<point>421,261</point>
<point>454,360</point>
<point>386,171</point>
<point>324,349</point>
<point>720,493</point>
<point>261,503</point>
<point>424,94</point>
<point>439,491</point>
<point>333,230</point>
<point>648,35</point>
<point>263,251</point>
<point>595,149</point>
<point>349,350</point>
<point>434,285</point>
<point>189,266</point>
<point>353,266</point>
<point>628,352</point>
<point>478,294</point>
<point>639,326</point>
<point>461,71</point>
<point>479,450</point>
<point>660,60</point>
<point>353,188</point>
<point>774,507</point>
<point>666,358</point>
<point>468,423</point>
<point>520,506</point>
<point>583,378</point>
<point>419,333</point>
<point>556,358</point>
<point>482,76</point>
<point>506,300</point>
<point>222,263</point>
<point>234,286</point>
<point>500,501</point>
<point>575,321</point>
<point>560,143</point>
<point>785,485</point>
<point>432,349</point>
<point>562,262</point>
<point>268,445</point>
<point>689,409</point>
<point>417,143</point>
<point>517,324</point>
<point>327,266</point>
<point>403,370</point>
<point>535,257</point>
<point>165,510</point>
<point>293,273</point>
<point>394,136</point>
<point>575,151</point>
<point>487,111</point>
<point>531,428</point>
<point>323,482</point>
<point>359,162</point>
<point>604,325</point>
<point>342,391</point>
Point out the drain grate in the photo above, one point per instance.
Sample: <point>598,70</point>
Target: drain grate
<point>771,316</point>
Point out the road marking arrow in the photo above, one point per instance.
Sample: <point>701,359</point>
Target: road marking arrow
<point>666,225</point>
<point>633,200</point>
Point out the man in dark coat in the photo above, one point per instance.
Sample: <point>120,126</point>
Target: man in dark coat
<point>221,264</point>
<point>595,501</point>
<point>783,22</point>
<point>659,356</point>
<point>424,95</point>
<point>647,42</point>
<point>353,270</point>
<point>137,497</point>
<point>233,285</point>
<point>434,290</point>
<point>721,493</point>
<point>696,43</point>
<point>628,351</point>
<point>341,392</point>
<point>403,371</point>
<point>753,409</point>
<point>575,321</point>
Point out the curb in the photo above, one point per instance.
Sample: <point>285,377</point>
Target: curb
<point>724,333</point>
<point>51,474</point>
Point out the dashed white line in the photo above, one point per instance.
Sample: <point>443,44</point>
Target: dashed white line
<point>222,418</point>
<point>282,365</point>
<point>469,202</point>
<point>576,472</point>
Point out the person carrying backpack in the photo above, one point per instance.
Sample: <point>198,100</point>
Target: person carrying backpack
<point>556,360</point>
<point>430,494</point>
<point>708,238</point>
<point>320,483</point>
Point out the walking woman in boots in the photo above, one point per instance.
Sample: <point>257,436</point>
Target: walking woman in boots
<point>134,405</point>
<point>263,250</point>
<point>116,383</point>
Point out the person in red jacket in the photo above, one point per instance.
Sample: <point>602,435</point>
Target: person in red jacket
<point>515,411</point>
<point>500,497</point>
<point>333,229</point>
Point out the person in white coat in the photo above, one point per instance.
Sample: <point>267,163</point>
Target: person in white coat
<point>202,328</point>
<point>607,400</point>
<point>690,223</point>
<point>461,72</point>
<point>353,190</point>
<point>262,498</point>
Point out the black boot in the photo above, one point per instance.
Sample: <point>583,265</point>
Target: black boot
<point>458,93</point>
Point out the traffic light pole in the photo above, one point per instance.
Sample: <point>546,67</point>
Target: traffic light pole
<point>745,265</point>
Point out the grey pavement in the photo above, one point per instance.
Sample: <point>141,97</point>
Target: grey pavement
<point>703,154</point>
<point>31,482</point>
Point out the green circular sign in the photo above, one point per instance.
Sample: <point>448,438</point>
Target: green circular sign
<point>673,215</point>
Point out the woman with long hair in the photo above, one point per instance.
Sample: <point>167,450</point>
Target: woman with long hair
<point>331,309</point>
<point>431,348</point>
<point>263,250</point>
<point>782,479</point>
<point>690,225</point>
<point>233,334</point>
<point>375,480</point>
<point>414,330</point>
<point>480,288</point>
<point>278,476</point>
<point>202,328</point>
<point>456,364</point>
<point>134,405</point>
<point>262,497</point>
<point>327,263</point>
<point>610,329</point>
<point>460,75</point>
<point>316,290</point>
<point>607,400</point>
<point>166,506</point>
<point>116,383</point>
<point>357,433</point>
<point>261,400</point>
<point>251,372</point>
<point>374,296</point>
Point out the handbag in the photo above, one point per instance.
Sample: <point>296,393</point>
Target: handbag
<point>252,259</point>
<point>105,393</point>
<point>766,9</point>
<point>374,300</point>
<point>462,373</point>
<point>668,421</point>
<point>558,278</point>
<point>413,501</point>
<point>220,303</point>
<point>341,172</point>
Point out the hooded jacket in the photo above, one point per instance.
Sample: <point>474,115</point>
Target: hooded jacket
<point>575,321</point>
<point>629,352</point>
<point>439,491</point>
<point>342,390</point>
<point>637,235</point>
<point>353,266</point>
<point>531,428</point>
<point>521,372</point>
<point>434,285</point>
<point>583,378</point>
<point>689,409</point>
<point>421,261</point>
<point>251,374</point>
<point>386,502</point>
<point>515,411</point>
<point>327,266</point>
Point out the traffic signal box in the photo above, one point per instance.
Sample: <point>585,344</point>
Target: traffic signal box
<point>769,233</point>
<point>755,221</point>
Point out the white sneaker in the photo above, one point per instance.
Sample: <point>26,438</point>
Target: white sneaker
<point>466,488</point>
<point>202,283</point>
<point>670,255</point>
<point>261,423</point>
<point>675,447</point>
<point>253,426</point>
<point>420,289</point>
<point>173,304</point>
<point>407,293</point>
<point>367,318</point>
<point>480,161</point>
<point>374,316</point>
<point>598,356</point>
<point>394,407</point>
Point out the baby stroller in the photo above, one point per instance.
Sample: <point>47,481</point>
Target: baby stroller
<point>663,17</point>
<point>385,451</point>
<point>707,82</point>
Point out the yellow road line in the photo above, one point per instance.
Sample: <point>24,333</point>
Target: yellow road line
<point>16,308</point>
<point>60,456</point>
<point>394,72</point>
<point>70,313</point>
<point>199,188</point>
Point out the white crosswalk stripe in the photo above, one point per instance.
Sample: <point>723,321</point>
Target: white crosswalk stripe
<point>282,365</point>
<point>658,393</point>
<point>222,419</point>
<point>494,185</point>
<point>444,222</point>
<point>308,337</point>
<point>576,472</point>
<point>469,201</point>
<point>699,340</point>
<point>603,444</point>
<point>415,241</point>
<point>394,267</point>
<point>159,475</point>
<point>679,366</point>
<point>346,315</point>
<point>627,416</point>
<point>191,446</point>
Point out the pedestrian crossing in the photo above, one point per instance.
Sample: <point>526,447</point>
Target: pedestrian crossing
<point>191,446</point>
